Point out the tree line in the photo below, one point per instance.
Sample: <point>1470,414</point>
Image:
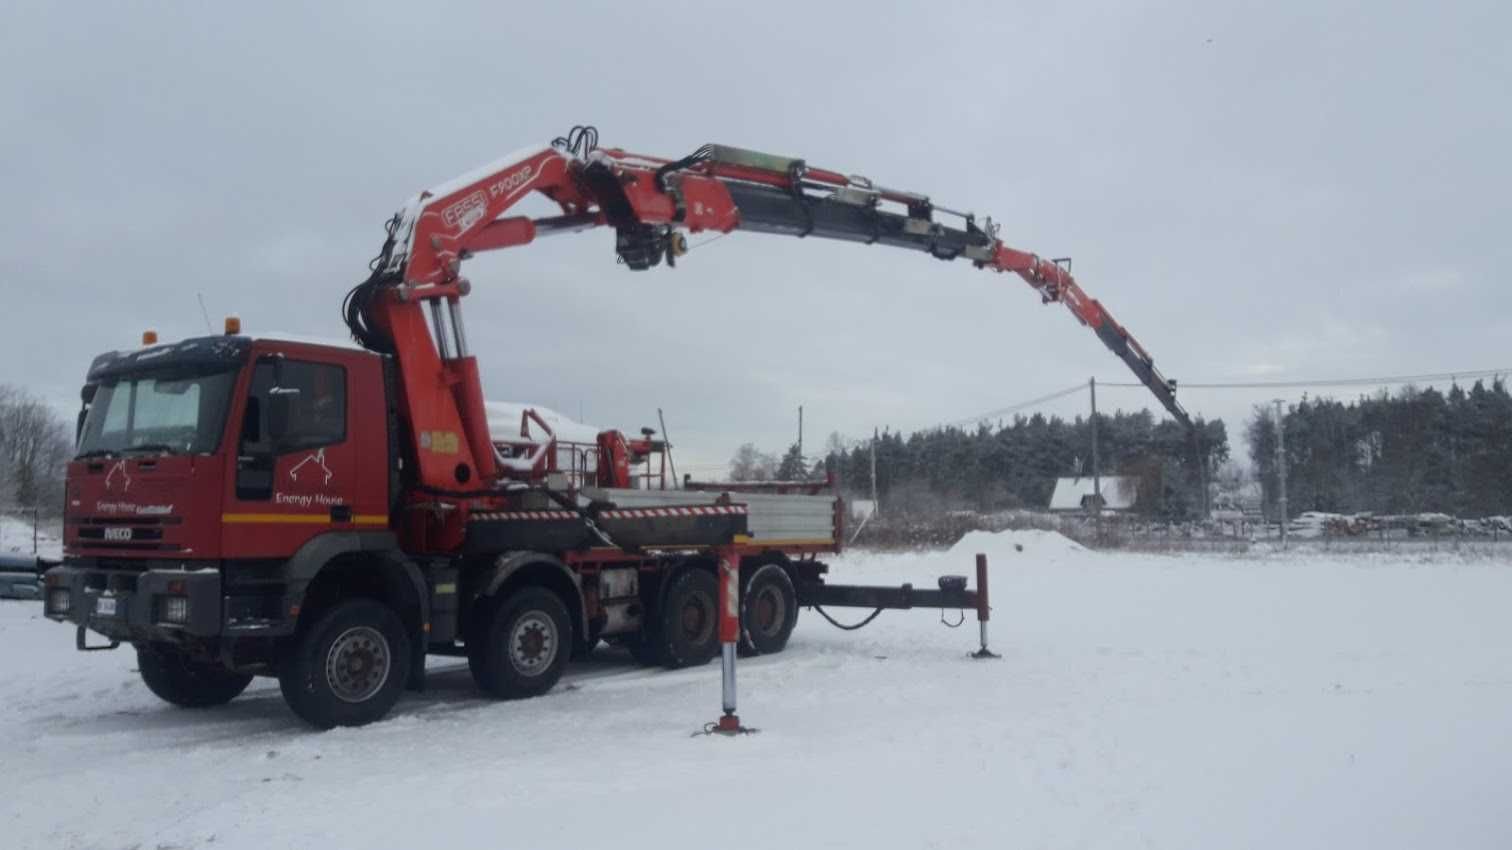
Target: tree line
<point>1015,464</point>
<point>1418,451</point>
<point>35,446</point>
<point>753,464</point>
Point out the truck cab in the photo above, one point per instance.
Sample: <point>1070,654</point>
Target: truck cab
<point>226,447</point>
<point>214,479</point>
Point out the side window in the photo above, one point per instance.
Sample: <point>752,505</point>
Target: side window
<point>311,401</point>
<point>294,406</point>
<point>291,406</point>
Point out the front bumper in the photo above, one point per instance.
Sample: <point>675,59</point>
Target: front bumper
<point>129,605</point>
<point>18,586</point>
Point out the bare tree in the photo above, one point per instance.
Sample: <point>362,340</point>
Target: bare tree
<point>752,464</point>
<point>34,450</point>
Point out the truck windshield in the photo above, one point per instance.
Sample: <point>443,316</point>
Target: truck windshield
<point>180,414</point>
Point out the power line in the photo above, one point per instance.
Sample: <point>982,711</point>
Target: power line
<point>1015,408</point>
<point>1470,374</point>
<point>849,443</point>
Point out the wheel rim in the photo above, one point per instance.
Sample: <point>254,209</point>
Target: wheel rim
<point>358,664</point>
<point>533,643</point>
<point>698,618</point>
<point>769,612</point>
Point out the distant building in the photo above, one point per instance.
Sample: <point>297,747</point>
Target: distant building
<point>1075,494</point>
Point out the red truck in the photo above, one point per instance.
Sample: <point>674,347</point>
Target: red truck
<point>332,514</point>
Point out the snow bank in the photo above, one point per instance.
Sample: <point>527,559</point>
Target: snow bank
<point>1043,546</point>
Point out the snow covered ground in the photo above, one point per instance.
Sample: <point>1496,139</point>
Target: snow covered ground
<point>1142,701</point>
<point>16,537</point>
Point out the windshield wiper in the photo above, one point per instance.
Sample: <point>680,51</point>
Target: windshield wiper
<point>95,453</point>
<point>150,447</point>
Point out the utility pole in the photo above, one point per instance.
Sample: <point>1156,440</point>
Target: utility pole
<point>800,430</point>
<point>1204,462</point>
<point>875,504</point>
<point>1096,471</point>
<point>1281,465</point>
<point>667,441</point>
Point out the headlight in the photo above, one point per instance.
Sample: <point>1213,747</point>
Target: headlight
<point>59,601</point>
<point>173,609</point>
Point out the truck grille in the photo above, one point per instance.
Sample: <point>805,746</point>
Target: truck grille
<point>130,533</point>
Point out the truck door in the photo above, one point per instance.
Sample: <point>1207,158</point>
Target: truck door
<point>298,464</point>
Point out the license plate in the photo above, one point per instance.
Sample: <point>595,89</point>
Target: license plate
<point>105,606</point>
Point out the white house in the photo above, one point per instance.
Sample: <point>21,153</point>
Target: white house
<point>1075,494</point>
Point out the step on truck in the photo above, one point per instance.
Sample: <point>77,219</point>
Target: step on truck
<point>332,514</point>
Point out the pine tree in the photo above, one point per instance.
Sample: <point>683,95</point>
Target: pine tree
<point>793,467</point>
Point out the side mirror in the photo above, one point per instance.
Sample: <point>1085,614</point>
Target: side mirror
<point>86,395</point>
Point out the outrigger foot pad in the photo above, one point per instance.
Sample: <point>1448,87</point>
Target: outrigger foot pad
<point>729,726</point>
<point>984,652</point>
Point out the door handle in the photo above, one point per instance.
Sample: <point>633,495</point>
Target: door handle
<point>341,513</point>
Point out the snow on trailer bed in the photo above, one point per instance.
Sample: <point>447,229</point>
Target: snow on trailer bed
<point>1280,701</point>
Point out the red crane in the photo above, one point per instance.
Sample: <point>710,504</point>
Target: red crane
<point>332,516</point>
<point>650,202</point>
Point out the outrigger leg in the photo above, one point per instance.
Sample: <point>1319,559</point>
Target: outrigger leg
<point>729,638</point>
<point>984,610</point>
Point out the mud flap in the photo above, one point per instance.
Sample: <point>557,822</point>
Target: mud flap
<point>82,646</point>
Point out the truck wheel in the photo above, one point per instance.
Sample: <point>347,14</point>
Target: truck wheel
<point>175,678</point>
<point>524,645</point>
<point>768,611</point>
<point>349,667</point>
<point>689,620</point>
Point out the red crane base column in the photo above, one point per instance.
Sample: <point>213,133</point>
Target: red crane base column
<point>729,638</point>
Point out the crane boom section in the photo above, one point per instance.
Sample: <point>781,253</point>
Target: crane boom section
<point>650,202</point>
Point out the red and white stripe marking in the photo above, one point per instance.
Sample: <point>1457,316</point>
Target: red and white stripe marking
<point>705,510</point>
<point>520,515</point>
<point>619,513</point>
<point>729,588</point>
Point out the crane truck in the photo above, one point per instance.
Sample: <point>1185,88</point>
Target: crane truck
<point>332,514</point>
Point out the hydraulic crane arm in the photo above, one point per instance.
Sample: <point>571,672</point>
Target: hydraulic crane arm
<point>650,202</point>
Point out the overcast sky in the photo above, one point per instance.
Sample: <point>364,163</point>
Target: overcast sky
<point>1288,190</point>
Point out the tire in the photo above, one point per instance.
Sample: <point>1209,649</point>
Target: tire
<point>177,679</point>
<point>768,611</point>
<point>688,624</point>
<point>349,667</point>
<point>524,644</point>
